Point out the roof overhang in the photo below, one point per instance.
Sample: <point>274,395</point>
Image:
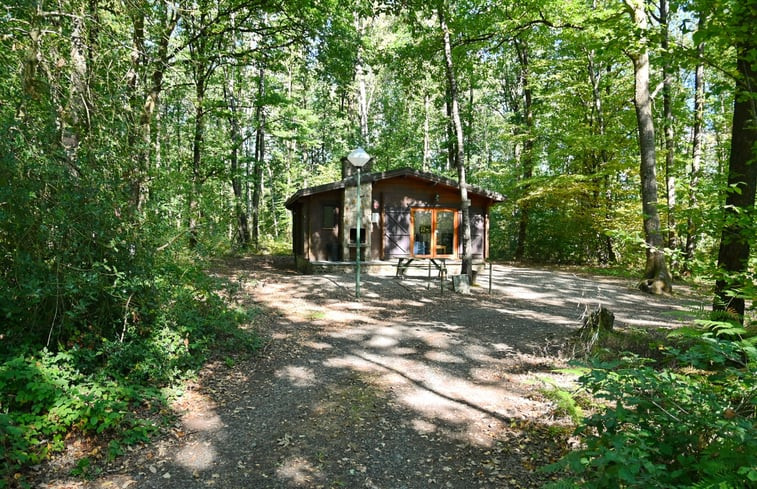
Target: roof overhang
<point>387,175</point>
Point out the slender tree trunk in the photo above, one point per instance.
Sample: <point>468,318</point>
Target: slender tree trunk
<point>696,154</point>
<point>607,255</point>
<point>242,232</point>
<point>198,51</point>
<point>451,136</point>
<point>361,74</point>
<point>739,228</point>
<point>470,122</point>
<point>467,258</point>
<point>274,214</point>
<point>257,191</point>
<point>669,135</point>
<point>657,278</point>
<point>426,134</point>
<point>526,156</point>
<point>197,143</point>
<point>146,104</point>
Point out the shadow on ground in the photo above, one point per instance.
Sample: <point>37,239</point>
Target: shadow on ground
<point>410,387</point>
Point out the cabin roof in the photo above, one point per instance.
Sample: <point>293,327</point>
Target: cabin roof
<point>386,175</point>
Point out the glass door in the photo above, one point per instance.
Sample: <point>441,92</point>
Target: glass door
<point>434,232</point>
<point>423,220</point>
<point>445,233</point>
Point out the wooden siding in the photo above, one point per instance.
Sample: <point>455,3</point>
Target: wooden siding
<point>396,232</point>
<point>324,242</point>
<point>400,195</point>
<point>393,199</point>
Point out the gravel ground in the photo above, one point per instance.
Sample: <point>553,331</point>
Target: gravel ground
<point>407,388</point>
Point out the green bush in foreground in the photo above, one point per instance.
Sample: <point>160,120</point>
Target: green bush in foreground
<point>113,387</point>
<point>691,424</point>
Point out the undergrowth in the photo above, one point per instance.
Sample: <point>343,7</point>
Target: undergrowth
<point>685,419</point>
<point>113,387</point>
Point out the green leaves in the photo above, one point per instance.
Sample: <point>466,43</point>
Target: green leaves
<point>666,427</point>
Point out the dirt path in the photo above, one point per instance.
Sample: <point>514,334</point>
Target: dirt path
<point>407,388</point>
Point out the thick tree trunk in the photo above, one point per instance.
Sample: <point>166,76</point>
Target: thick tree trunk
<point>467,256</point>
<point>657,278</point>
<point>739,229</point>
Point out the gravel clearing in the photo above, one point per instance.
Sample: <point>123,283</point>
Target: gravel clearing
<point>407,388</point>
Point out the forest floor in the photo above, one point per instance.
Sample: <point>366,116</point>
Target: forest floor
<point>408,387</point>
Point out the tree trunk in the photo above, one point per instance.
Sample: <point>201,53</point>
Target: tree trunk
<point>361,75</point>
<point>526,156</point>
<point>696,154</point>
<point>467,256</point>
<point>657,278</point>
<point>257,190</point>
<point>242,233</point>
<point>197,140</point>
<point>139,135</point>
<point>607,253</point>
<point>426,133</point>
<point>451,137</point>
<point>669,135</point>
<point>739,227</point>
<point>200,74</point>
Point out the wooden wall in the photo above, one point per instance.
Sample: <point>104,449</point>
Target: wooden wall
<point>392,200</point>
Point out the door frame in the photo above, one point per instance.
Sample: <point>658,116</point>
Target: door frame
<point>434,223</point>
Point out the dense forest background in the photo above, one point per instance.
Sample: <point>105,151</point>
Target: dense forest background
<point>142,136</point>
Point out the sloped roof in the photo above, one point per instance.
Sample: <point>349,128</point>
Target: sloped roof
<point>386,175</point>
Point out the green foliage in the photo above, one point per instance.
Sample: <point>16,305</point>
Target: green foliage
<point>689,426</point>
<point>103,386</point>
<point>46,396</point>
<point>566,402</point>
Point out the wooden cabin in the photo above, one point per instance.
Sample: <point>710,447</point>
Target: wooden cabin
<point>405,213</point>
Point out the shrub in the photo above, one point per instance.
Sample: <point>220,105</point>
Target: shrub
<point>99,385</point>
<point>688,426</point>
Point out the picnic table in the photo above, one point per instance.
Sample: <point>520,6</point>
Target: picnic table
<point>405,262</point>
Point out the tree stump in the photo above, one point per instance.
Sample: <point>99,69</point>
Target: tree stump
<point>595,324</point>
<point>461,284</point>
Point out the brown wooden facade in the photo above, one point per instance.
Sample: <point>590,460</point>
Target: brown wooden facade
<point>405,213</point>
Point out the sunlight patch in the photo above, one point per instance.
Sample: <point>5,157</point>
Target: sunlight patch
<point>299,472</point>
<point>298,376</point>
<point>199,422</point>
<point>423,427</point>
<point>197,456</point>
<point>381,341</point>
<point>442,357</point>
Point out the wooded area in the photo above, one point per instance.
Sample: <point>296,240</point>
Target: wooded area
<point>141,137</point>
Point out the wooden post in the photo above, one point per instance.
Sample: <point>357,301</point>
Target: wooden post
<point>490,277</point>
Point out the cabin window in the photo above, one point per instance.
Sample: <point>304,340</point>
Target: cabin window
<point>330,216</point>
